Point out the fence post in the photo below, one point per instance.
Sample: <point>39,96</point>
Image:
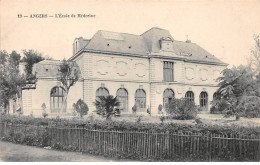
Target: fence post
<point>258,148</point>
<point>210,143</point>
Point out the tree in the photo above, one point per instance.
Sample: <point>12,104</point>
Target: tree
<point>68,75</point>
<point>235,84</point>
<point>105,106</point>
<point>11,81</point>
<point>254,59</point>
<point>30,58</point>
<point>81,107</point>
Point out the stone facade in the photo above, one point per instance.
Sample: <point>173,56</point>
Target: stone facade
<point>115,61</point>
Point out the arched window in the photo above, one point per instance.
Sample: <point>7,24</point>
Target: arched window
<point>122,96</point>
<point>140,99</point>
<point>204,100</point>
<point>168,96</point>
<point>57,96</point>
<point>215,95</point>
<point>102,91</point>
<point>189,96</point>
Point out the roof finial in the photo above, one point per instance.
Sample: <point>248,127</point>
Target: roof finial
<point>187,39</point>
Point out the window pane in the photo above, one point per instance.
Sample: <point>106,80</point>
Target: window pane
<point>168,71</point>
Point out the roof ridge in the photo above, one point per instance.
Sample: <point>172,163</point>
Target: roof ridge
<point>153,28</point>
<point>120,32</point>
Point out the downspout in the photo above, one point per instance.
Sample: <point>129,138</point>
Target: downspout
<point>149,59</point>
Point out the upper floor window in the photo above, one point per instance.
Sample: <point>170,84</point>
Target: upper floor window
<point>168,71</point>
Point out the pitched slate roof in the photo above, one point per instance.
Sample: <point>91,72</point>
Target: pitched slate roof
<point>153,36</point>
<point>117,42</point>
<point>192,51</point>
<point>146,44</point>
<point>49,68</point>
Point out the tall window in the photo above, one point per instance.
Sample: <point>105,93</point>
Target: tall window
<point>168,71</point>
<point>102,91</point>
<point>168,96</point>
<point>122,97</point>
<point>204,100</point>
<point>215,95</point>
<point>57,96</point>
<point>189,96</point>
<point>140,99</point>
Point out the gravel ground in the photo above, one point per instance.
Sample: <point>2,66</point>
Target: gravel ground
<point>10,152</point>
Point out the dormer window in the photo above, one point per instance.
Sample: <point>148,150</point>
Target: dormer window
<point>166,44</point>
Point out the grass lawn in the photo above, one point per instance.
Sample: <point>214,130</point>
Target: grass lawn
<point>209,119</point>
<point>206,118</point>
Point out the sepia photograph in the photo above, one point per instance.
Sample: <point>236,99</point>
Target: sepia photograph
<point>129,81</point>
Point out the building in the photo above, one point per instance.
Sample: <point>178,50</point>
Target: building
<point>144,70</point>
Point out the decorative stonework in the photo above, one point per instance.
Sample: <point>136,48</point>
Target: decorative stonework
<point>102,67</point>
<point>189,73</point>
<point>203,74</point>
<point>140,69</point>
<point>121,68</point>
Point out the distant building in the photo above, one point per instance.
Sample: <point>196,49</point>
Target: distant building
<point>144,70</point>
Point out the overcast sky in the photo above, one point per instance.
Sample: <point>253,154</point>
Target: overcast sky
<point>224,28</point>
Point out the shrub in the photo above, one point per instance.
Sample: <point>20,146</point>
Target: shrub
<point>148,111</point>
<point>81,107</point>
<point>134,109</point>
<point>160,107</point>
<point>125,125</point>
<point>250,106</point>
<point>162,118</point>
<point>105,106</point>
<point>44,113</point>
<point>182,109</point>
<point>139,119</point>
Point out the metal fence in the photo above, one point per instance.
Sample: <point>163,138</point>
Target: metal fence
<point>148,145</point>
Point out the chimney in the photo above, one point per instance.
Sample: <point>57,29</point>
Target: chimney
<point>187,39</point>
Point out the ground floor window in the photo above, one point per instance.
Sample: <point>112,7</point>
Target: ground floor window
<point>140,99</point>
<point>204,100</point>
<point>57,96</point>
<point>189,96</point>
<point>102,91</point>
<point>215,95</point>
<point>122,96</point>
<point>168,96</point>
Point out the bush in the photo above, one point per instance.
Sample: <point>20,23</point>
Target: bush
<point>162,118</point>
<point>182,109</point>
<point>134,109</point>
<point>160,107</point>
<point>250,106</point>
<point>106,105</point>
<point>44,113</point>
<point>131,126</point>
<point>81,107</point>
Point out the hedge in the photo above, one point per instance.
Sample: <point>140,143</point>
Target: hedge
<point>132,126</point>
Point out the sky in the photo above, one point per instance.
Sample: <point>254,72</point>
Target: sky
<point>223,28</point>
